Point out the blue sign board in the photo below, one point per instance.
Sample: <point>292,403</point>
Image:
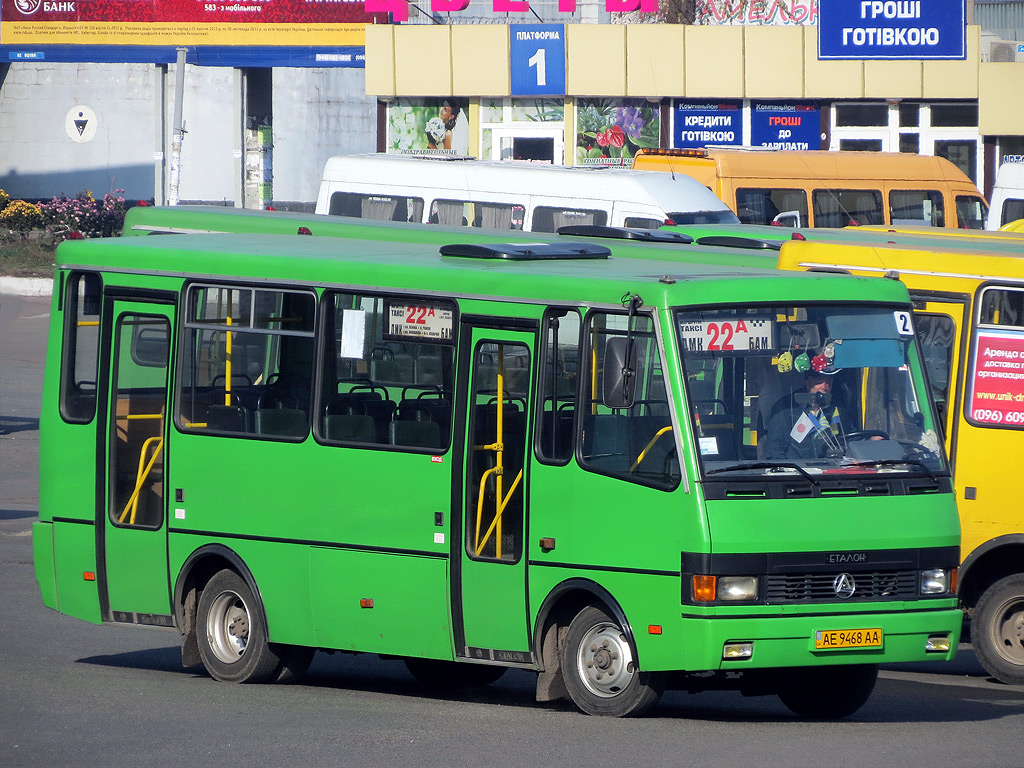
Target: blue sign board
<point>785,126</point>
<point>892,29</point>
<point>537,53</point>
<point>702,123</point>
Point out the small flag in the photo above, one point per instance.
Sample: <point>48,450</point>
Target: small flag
<point>834,423</point>
<point>804,426</point>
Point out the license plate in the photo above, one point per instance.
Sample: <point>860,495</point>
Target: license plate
<point>827,639</point>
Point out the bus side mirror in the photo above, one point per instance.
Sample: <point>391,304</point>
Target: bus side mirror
<point>619,382</point>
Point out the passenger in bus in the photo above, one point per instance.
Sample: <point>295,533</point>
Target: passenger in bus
<point>809,427</point>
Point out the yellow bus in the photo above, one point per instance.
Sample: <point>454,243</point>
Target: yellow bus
<point>969,319</point>
<point>829,189</point>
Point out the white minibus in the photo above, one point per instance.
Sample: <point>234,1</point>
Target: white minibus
<point>523,196</point>
<point>1007,196</point>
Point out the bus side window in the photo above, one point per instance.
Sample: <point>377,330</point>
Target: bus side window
<point>387,374</point>
<point>912,206</point>
<point>970,212</point>
<point>636,442</point>
<point>377,207</point>
<point>499,216</point>
<point>846,207</point>
<point>247,366</point>
<point>1012,211</point>
<point>763,205</point>
<point>81,347</point>
<point>559,377</point>
<point>549,219</point>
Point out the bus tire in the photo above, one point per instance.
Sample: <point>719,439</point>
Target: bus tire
<point>599,668</point>
<point>449,675</point>
<point>828,693</point>
<point>997,630</point>
<point>230,632</point>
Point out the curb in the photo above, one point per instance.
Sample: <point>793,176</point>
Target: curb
<point>26,286</point>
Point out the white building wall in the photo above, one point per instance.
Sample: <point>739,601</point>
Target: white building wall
<point>317,113</point>
<point>210,167</point>
<point>38,159</point>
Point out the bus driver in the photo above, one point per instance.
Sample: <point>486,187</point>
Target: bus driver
<point>810,431</point>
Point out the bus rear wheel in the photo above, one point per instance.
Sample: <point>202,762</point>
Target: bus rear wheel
<point>600,670</point>
<point>997,630</point>
<point>828,693</point>
<point>230,632</point>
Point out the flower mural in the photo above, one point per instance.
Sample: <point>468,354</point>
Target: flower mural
<point>610,133</point>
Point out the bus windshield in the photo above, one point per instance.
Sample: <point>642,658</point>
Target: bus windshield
<point>808,390</point>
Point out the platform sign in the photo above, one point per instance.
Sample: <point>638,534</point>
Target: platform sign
<point>785,126</point>
<point>892,29</point>
<point>537,53</point>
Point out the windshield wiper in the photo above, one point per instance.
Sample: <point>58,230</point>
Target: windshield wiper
<point>892,462</point>
<point>769,465</point>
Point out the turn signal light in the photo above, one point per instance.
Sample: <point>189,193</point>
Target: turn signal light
<point>704,589</point>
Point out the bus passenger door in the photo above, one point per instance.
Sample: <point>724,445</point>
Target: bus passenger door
<point>939,326</point>
<point>134,535</point>
<point>489,588</point>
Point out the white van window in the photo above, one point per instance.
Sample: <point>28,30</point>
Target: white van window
<point>379,207</point>
<point>642,222</point>
<point>970,212</point>
<point>549,219</point>
<point>917,206</point>
<point>450,213</point>
<point>499,216</point>
<point>1012,210</point>
<point>845,207</point>
<point>761,206</point>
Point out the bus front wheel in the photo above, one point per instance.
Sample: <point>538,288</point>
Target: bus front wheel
<point>997,630</point>
<point>600,670</point>
<point>230,632</point>
<point>828,693</point>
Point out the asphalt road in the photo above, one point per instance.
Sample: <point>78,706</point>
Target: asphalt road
<point>74,694</point>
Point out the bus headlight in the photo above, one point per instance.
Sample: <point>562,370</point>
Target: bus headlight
<point>934,581</point>
<point>737,588</point>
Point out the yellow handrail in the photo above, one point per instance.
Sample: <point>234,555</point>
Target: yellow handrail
<point>497,515</point>
<point>142,474</point>
<point>650,445</point>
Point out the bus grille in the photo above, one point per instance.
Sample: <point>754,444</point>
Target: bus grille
<point>818,587</point>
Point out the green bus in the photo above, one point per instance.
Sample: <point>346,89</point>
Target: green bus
<point>493,455</point>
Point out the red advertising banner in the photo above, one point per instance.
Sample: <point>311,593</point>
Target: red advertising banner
<point>997,378</point>
<point>184,22</point>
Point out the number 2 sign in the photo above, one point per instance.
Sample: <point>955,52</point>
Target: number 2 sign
<point>537,53</point>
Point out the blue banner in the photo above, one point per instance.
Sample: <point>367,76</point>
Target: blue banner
<point>537,59</point>
<point>892,29</point>
<point>785,126</point>
<point>703,123</point>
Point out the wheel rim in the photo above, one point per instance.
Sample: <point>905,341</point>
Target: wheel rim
<point>227,627</point>
<point>605,661</point>
<point>1008,630</point>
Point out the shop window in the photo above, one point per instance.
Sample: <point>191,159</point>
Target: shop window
<point>954,115</point>
<point>862,114</point>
